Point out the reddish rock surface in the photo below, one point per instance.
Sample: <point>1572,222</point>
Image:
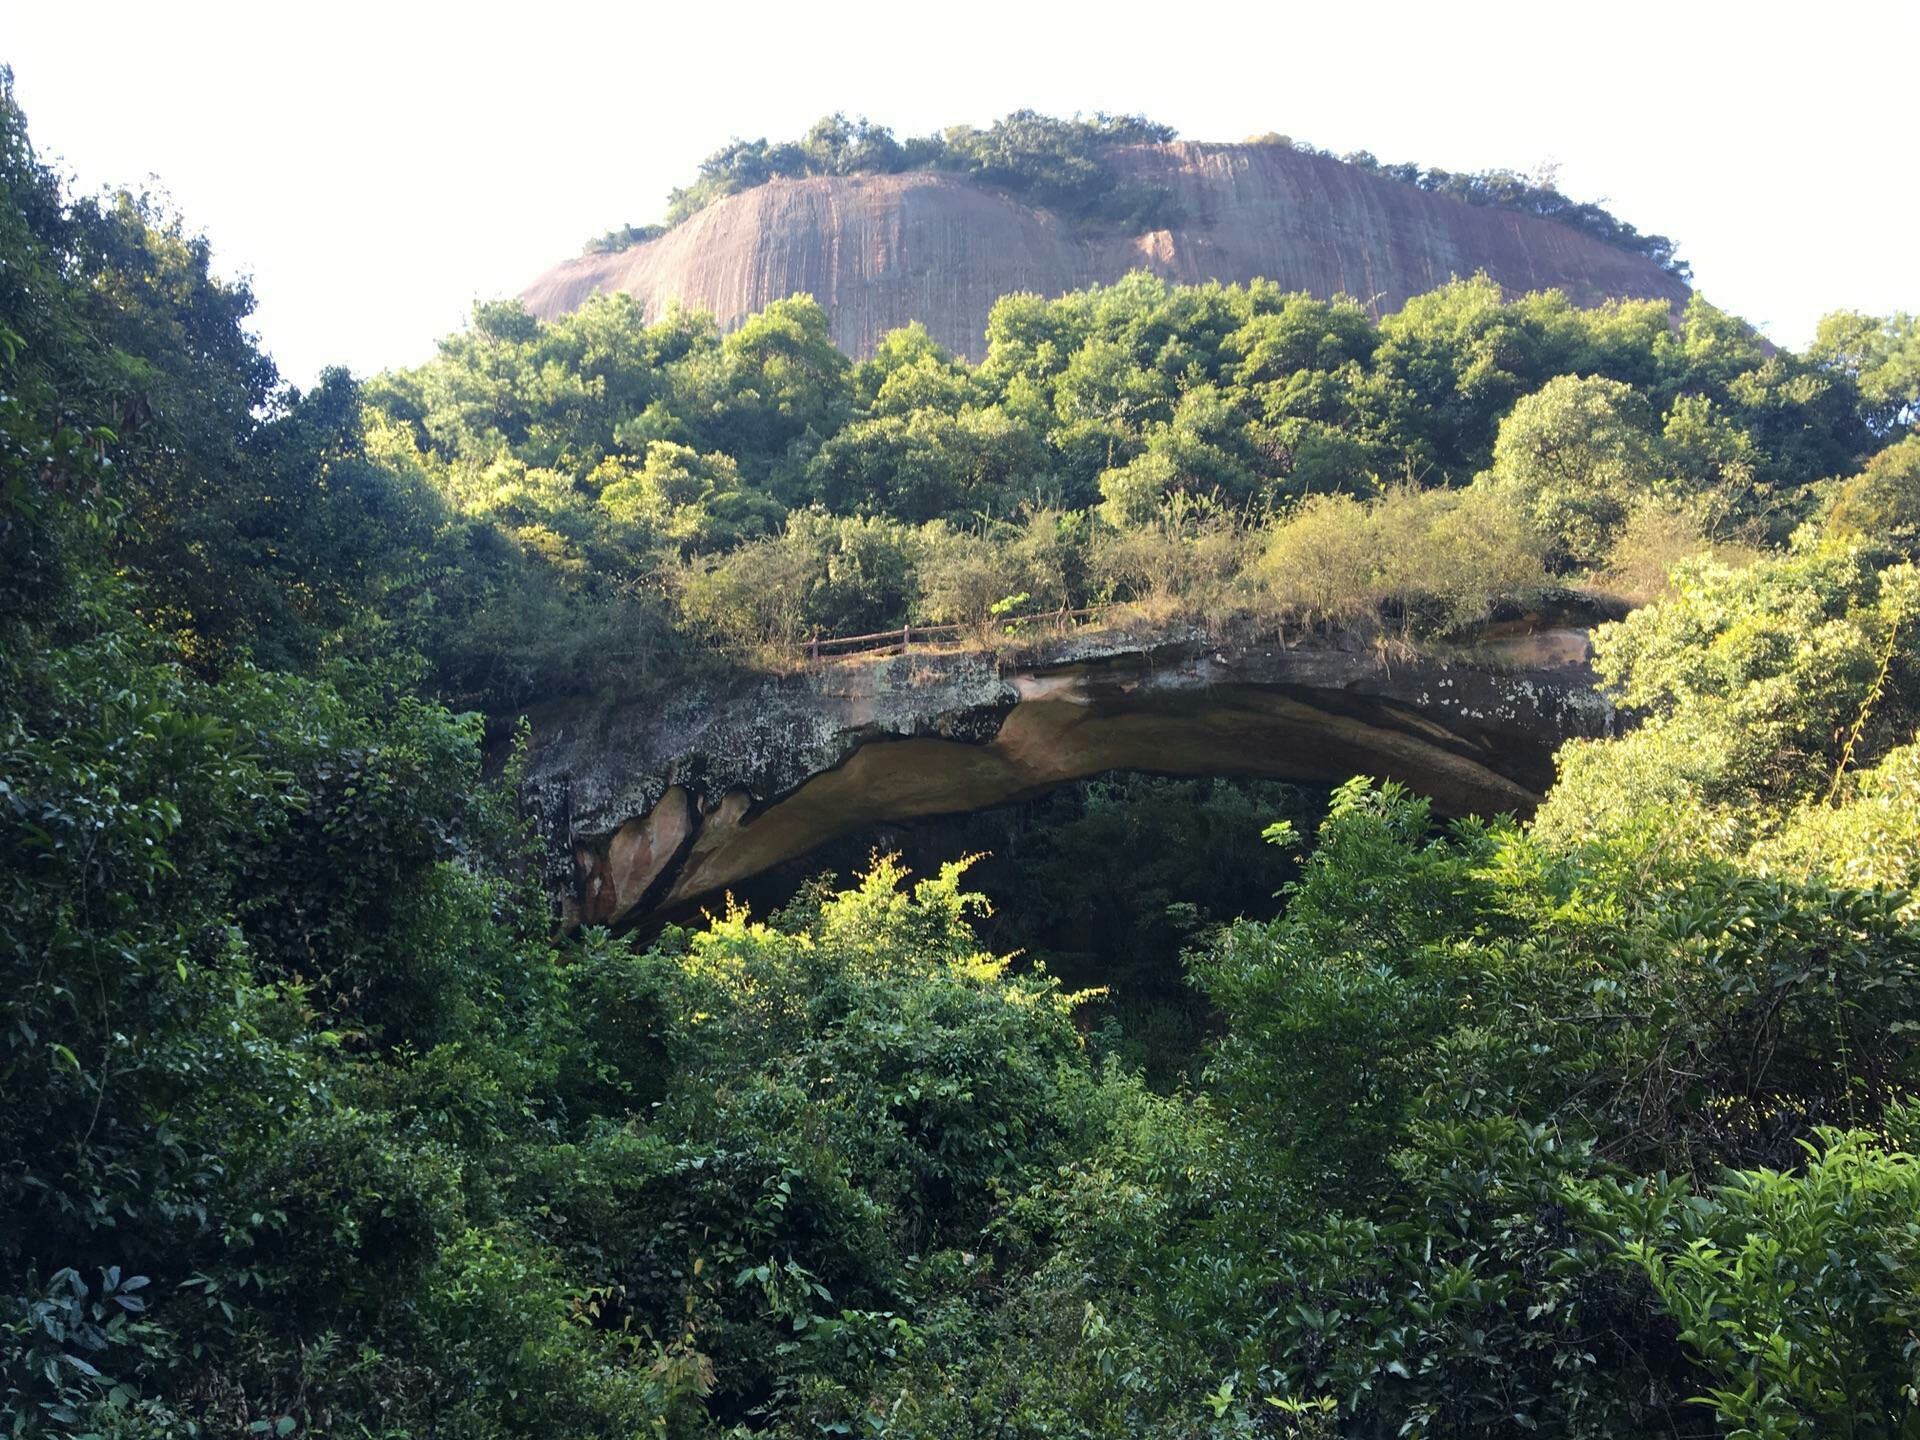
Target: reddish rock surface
<point>879,251</point>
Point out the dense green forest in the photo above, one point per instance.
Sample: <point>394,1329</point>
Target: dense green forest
<point>1595,1124</point>
<point>620,501</point>
<point>1062,166</point>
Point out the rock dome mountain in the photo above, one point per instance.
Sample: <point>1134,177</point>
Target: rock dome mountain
<point>879,251</point>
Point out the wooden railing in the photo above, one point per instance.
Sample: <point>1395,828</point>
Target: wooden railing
<point>826,648</point>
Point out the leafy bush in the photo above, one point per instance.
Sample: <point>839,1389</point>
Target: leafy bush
<point>822,576</point>
<point>1881,505</point>
<point>1437,559</point>
<point>1799,1290</point>
<point>1748,683</point>
<point>1057,163</point>
<point>821,1099</point>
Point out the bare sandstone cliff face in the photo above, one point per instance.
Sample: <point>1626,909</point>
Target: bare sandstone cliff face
<point>880,251</point>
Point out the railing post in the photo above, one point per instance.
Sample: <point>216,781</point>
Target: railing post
<point>906,636</point>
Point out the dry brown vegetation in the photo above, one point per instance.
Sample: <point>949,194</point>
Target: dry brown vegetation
<point>1419,563</point>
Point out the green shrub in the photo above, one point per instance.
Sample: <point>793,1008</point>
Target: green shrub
<point>1798,1290</point>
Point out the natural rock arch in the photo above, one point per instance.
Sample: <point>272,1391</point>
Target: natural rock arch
<point>650,806</point>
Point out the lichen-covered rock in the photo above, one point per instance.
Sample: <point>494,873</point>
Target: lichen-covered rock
<point>649,805</point>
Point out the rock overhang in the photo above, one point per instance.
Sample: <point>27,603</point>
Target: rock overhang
<point>651,804</point>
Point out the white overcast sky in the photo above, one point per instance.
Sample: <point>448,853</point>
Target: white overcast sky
<point>376,167</point>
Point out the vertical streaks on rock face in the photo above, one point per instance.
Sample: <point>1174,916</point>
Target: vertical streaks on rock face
<point>623,876</point>
<point>879,251</point>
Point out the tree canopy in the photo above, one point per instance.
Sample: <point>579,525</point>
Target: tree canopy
<point>1165,447</point>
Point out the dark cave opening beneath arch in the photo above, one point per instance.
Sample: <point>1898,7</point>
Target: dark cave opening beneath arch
<point>1104,881</point>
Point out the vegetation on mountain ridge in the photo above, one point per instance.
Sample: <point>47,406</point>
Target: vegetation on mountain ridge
<point>1057,164</point>
<point>1050,162</point>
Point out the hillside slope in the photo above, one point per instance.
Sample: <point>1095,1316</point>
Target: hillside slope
<point>881,250</point>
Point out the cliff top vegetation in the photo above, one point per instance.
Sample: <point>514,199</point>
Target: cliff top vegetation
<point>1061,165</point>
<point>639,495</point>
